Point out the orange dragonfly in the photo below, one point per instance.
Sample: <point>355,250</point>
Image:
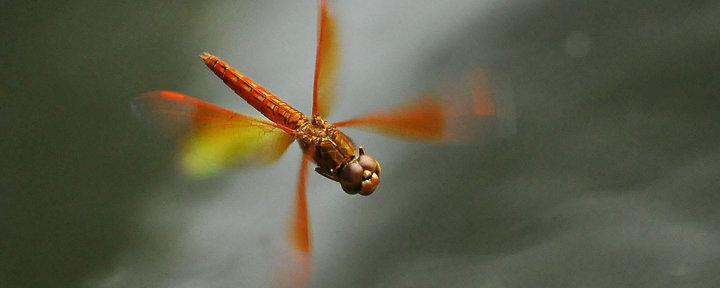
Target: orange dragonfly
<point>217,138</point>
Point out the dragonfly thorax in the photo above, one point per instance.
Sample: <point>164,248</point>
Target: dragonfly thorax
<point>334,153</point>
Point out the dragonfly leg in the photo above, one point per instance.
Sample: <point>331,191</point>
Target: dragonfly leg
<point>327,173</point>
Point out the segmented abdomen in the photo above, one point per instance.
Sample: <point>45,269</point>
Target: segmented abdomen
<point>257,96</point>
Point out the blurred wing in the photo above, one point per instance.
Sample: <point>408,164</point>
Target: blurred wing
<point>424,120</point>
<point>483,103</point>
<point>214,137</point>
<point>429,119</point>
<point>296,266</point>
<point>300,228</point>
<point>326,63</point>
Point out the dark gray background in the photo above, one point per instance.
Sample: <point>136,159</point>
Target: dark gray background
<point>602,170</point>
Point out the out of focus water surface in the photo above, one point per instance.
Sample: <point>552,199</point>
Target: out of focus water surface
<point>602,171</point>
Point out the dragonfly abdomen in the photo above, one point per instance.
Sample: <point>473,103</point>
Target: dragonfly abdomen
<point>257,96</point>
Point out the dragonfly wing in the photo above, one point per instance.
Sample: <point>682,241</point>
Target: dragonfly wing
<point>296,266</point>
<point>326,63</point>
<point>300,227</point>
<point>423,119</point>
<point>213,138</point>
<point>430,118</point>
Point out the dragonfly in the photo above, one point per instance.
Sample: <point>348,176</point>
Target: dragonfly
<point>216,138</point>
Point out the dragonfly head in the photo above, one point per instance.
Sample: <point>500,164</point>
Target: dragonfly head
<point>360,175</point>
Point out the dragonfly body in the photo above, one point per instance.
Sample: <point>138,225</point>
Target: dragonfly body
<point>215,137</point>
<point>257,96</point>
<point>331,150</point>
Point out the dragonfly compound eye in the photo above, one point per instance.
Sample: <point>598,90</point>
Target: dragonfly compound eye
<point>360,176</point>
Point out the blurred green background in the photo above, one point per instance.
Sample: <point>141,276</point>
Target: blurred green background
<point>602,170</point>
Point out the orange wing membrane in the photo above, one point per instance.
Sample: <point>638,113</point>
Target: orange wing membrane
<point>429,119</point>
<point>300,228</point>
<point>214,137</point>
<point>423,120</point>
<point>326,63</point>
<point>483,103</point>
<point>296,267</point>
